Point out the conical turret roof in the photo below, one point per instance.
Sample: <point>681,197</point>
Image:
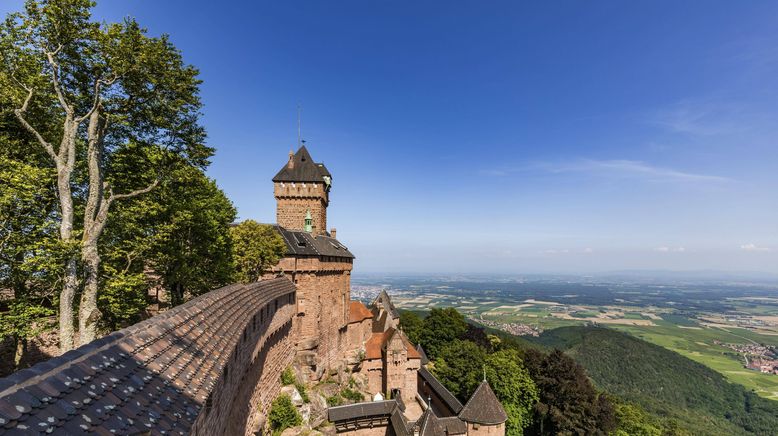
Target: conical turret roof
<point>483,407</point>
<point>302,168</point>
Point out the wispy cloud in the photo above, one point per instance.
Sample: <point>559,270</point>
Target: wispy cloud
<point>701,118</point>
<point>754,247</point>
<point>632,169</point>
<point>664,249</point>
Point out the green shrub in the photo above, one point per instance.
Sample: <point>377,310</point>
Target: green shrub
<point>335,400</point>
<point>352,395</point>
<point>283,414</point>
<point>287,377</point>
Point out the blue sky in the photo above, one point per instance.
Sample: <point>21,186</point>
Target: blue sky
<point>512,137</point>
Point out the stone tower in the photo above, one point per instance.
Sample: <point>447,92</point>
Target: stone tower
<point>317,263</point>
<point>302,190</point>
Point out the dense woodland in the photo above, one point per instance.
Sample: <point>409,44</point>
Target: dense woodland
<point>679,392</point>
<point>103,191</point>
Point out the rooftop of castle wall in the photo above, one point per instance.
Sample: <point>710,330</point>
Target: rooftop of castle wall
<point>155,375</point>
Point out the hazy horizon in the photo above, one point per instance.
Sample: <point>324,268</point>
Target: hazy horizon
<point>495,138</point>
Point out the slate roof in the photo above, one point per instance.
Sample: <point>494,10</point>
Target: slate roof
<point>361,410</point>
<point>429,424</point>
<point>424,359</point>
<point>303,170</point>
<point>384,300</point>
<point>357,312</point>
<point>483,407</point>
<point>444,394</point>
<point>300,243</point>
<point>376,344</point>
<point>153,376</point>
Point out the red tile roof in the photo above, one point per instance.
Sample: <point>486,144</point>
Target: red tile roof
<point>377,343</point>
<point>358,312</point>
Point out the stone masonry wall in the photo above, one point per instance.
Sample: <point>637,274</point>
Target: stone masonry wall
<point>294,200</point>
<point>250,380</point>
<point>323,298</point>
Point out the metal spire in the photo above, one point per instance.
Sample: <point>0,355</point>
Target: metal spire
<point>299,128</point>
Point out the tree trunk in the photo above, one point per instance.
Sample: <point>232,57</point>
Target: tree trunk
<point>65,166</point>
<point>21,348</point>
<point>88,313</point>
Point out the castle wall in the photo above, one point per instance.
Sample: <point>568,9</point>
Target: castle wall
<point>240,400</point>
<point>485,430</point>
<point>323,298</point>
<point>294,200</point>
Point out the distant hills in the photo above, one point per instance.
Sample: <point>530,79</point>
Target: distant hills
<point>663,382</point>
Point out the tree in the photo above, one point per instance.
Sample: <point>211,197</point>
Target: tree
<point>634,421</point>
<point>441,327</point>
<point>460,367</point>
<point>514,387</point>
<point>412,325</point>
<point>283,414</point>
<point>179,232</point>
<point>26,230</point>
<point>568,402</point>
<point>84,91</point>
<point>256,247</point>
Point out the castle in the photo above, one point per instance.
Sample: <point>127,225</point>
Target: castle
<point>212,365</point>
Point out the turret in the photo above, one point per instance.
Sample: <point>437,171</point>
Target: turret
<point>302,190</point>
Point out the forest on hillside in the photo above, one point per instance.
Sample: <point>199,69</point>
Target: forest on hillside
<point>587,380</point>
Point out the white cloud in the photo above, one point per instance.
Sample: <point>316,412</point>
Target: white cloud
<point>754,247</point>
<point>588,250</point>
<point>664,249</point>
<point>631,169</point>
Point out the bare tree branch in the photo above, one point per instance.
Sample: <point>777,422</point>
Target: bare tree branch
<point>136,192</point>
<point>99,83</point>
<point>20,116</point>
<point>55,79</point>
<point>102,215</point>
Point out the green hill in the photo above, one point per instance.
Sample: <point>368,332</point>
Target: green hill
<point>665,383</point>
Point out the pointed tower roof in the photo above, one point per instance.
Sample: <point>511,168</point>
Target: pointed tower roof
<point>483,407</point>
<point>424,359</point>
<point>301,168</point>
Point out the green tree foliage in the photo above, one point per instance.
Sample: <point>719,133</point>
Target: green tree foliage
<point>693,397</point>
<point>568,402</point>
<point>256,248</point>
<point>634,421</point>
<point>179,231</point>
<point>514,387</point>
<point>84,91</point>
<point>283,414</point>
<point>412,325</point>
<point>441,327</point>
<point>460,367</point>
<point>28,241</point>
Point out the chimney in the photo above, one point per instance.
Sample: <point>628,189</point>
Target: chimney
<point>333,233</point>
<point>290,165</point>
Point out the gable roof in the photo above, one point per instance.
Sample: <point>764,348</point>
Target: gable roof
<point>152,376</point>
<point>304,169</point>
<point>357,312</point>
<point>483,407</point>
<point>375,346</point>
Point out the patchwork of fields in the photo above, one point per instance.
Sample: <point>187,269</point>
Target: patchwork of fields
<point>693,321</point>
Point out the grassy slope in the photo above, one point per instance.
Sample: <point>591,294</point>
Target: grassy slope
<point>664,382</point>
